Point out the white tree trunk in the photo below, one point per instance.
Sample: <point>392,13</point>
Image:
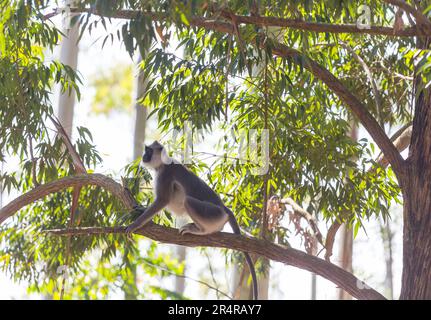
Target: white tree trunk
<point>181,254</point>
<point>313,276</point>
<point>346,238</point>
<point>140,114</point>
<point>140,124</point>
<point>387,238</point>
<point>346,253</point>
<point>69,56</point>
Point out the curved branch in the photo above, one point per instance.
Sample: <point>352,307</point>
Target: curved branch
<point>272,251</point>
<point>58,185</point>
<point>330,239</point>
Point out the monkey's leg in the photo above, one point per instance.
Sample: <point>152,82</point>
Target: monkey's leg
<point>190,228</point>
<point>207,217</point>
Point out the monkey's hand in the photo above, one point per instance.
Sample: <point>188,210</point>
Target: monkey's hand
<point>133,215</point>
<point>137,211</point>
<point>146,217</point>
<point>133,227</point>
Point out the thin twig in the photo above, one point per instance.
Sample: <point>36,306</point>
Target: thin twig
<point>190,278</point>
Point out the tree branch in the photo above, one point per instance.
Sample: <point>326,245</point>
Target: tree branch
<point>421,19</point>
<point>330,239</point>
<point>369,74</point>
<point>265,21</point>
<point>263,248</point>
<point>321,27</point>
<point>311,219</point>
<point>401,143</point>
<point>58,185</point>
<point>289,256</point>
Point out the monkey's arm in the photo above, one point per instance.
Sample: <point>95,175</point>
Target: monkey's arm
<point>148,214</point>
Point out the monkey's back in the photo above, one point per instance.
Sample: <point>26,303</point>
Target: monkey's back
<point>192,184</point>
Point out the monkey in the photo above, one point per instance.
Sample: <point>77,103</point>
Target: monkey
<point>181,192</point>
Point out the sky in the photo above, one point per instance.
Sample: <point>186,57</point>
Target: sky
<point>113,136</point>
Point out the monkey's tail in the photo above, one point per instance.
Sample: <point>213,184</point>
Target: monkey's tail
<point>235,227</point>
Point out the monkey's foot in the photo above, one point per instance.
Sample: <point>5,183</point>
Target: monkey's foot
<point>190,228</point>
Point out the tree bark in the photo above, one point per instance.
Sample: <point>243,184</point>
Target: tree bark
<point>416,276</point>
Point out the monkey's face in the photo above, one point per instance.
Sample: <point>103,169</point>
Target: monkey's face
<point>148,154</point>
<point>154,155</point>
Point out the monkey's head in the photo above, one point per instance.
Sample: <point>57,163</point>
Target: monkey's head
<point>155,155</point>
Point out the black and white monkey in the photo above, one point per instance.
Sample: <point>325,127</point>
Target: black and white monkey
<point>181,192</point>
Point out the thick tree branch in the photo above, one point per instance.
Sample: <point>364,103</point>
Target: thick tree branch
<point>263,248</point>
<point>289,256</point>
<point>401,142</point>
<point>73,181</point>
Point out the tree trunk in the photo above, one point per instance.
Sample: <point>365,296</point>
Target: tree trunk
<point>68,56</point>
<point>140,115</point>
<point>416,185</point>
<point>313,287</point>
<point>239,285</point>
<point>130,288</point>
<point>180,254</point>
<point>242,288</point>
<point>346,253</point>
<point>387,238</point>
<point>346,241</point>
